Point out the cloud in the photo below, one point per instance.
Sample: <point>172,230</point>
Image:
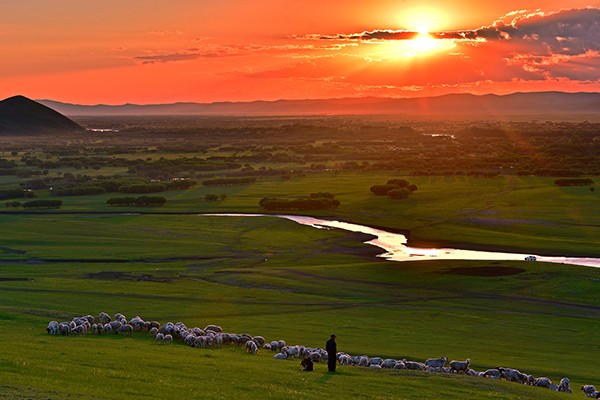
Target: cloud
<point>567,31</point>
<point>291,50</point>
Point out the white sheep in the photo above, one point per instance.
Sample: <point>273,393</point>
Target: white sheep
<point>280,356</point>
<point>251,347</point>
<point>436,362</point>
<point>345,359</point>
<point>168,339</point>
<point>125,329</point>
<point>104,318</point>
<point>492,373</point>
<point>460,366</point>
<point>214,328</point>
<point>64,328</point>
<point>52,328</point>
<point>542,382</point>
<point>388,363</point>
<point>588,390</point>
<point>512,375</point>
<point>414,365</point>
<point>564,385</point>
<point>375,361</point>
<point>259,340</point>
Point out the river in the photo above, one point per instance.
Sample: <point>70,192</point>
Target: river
<point>396,249</point>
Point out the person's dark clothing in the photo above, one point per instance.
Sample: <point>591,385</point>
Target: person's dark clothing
<point>307,364</point>
<point>331,348</point>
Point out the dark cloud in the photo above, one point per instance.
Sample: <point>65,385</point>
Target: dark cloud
<point>571,32</point>
<point>371,35</point>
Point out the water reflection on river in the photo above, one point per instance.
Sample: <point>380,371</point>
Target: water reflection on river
<point>396,250</point>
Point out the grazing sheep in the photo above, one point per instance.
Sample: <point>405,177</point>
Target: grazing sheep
<point>293,351</point>
<point>259,340</point>
<point>119,316</point>
<point>64,329</point>
<point>414,365</point>
<point>512,375</point>
<point>153,331</point>
<point>564,385</point>
<point>588,390</point>
<point>125,329</point>
<point>168,339</point>
<point>104,318</point>
<point>400,365</point>
<point>375,366</point>
<point>154,324</point>
<point>251,347</point>
<point>280,356</point>
<point>159,337</point>
<point>436,362</point>
<point>472,372</point>
<point>52,328</point>
<point>107,328</point>
<point>214,328</point>
<point>115,325</point>
<point>493,373</point>
<point>460,366</point>
<point>345,359</point>
<point>375,361</point>
<point>542,382</point>
<point>267,346</point>
<point>388,363</point>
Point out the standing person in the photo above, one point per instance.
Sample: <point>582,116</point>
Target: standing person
<point>331,348</point>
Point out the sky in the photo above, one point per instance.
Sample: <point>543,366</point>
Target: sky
<point>150,51</point>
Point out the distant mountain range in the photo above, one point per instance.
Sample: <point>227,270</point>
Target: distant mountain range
<point>19,114</point>
<point>460,105</point>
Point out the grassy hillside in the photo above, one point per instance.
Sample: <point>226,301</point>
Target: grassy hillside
<point>281,280</point>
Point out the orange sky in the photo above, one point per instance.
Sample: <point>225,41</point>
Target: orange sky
<point>151,51</point>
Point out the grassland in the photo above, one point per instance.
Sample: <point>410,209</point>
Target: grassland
<point>276,278</point>
<point>281,280</point>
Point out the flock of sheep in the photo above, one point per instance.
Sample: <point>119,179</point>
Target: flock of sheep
<point>213,335</point>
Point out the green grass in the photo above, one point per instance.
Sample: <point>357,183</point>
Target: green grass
<point>524,214</point>
<point>278,279</point>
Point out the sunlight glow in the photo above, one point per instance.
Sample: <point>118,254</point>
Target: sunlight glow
<point>422,45</point>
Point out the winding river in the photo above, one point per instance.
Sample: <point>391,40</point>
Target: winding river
<point>396,249</point>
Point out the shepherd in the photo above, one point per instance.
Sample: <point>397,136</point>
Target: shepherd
<point>331,348</point>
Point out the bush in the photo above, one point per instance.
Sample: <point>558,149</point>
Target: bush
<point>136,201</point>
<point>573,182</point>
<point>42,204</point>
<point>228,181</point>
<point>398,194</point>
<point>301,204</point>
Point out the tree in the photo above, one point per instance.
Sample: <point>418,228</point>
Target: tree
<point>398,182</point>
<point>211,197</point>
<point>398,194</point>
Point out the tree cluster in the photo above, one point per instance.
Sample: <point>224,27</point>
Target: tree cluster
<point>229,181</point>
<point>573,182</point>
<point>42,203</point>
<point>141,201</point>
<point>395,188</point>
<point>328,202</point>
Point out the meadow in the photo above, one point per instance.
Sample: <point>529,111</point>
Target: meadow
<point>272,277</point>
